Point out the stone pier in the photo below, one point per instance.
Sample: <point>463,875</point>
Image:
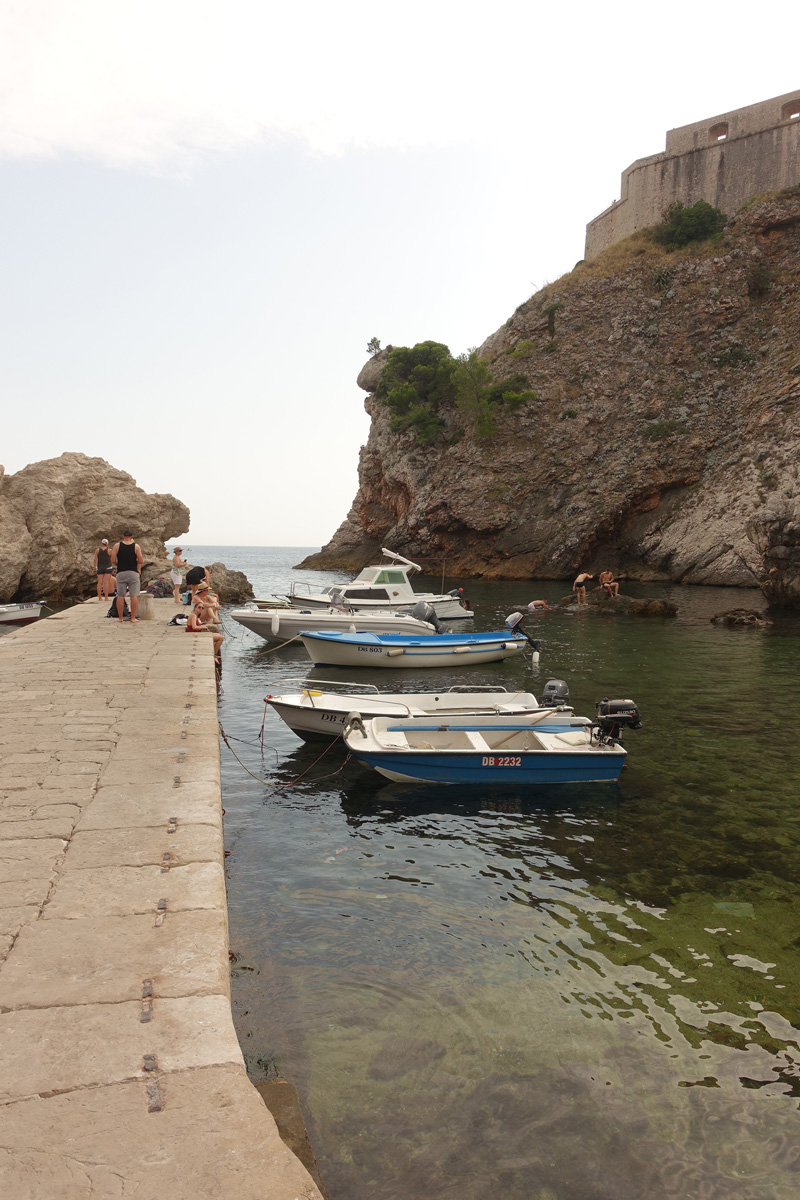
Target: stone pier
<point>120,1072</point>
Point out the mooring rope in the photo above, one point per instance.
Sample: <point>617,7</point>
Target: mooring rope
<point>291,782</point>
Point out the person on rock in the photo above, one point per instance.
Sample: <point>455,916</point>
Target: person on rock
<point>103,570</point>
<point>579,586</point>
<point>127,558</point>
<point>608,583</point>
<point>538,606</point>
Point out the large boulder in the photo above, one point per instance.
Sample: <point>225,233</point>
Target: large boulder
<point>622,606</point>
<point>54,513</point>
<point>231,586</point>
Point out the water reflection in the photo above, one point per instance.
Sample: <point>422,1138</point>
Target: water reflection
<point>567,993</point>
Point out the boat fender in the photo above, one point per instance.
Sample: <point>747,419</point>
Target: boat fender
<point>275,624</point>
<point>351,629</point>
<point>395,652</point>
<point>354,724</point>
<point>460,649</point>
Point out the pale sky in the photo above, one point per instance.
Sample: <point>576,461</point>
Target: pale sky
<point>209,208</point>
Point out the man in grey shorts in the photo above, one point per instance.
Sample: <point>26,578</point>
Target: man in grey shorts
<point>127,558</point>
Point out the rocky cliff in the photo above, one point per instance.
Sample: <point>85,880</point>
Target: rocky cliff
<point>663,440</point>
<point>54,513</point>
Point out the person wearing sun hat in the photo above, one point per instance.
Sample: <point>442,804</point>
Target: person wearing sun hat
<point>210,604</point>
<point>103,570</point>
<point>176,574</point>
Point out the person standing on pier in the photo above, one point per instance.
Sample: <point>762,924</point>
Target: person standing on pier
<point>103,570</point>
<point>127,558</point>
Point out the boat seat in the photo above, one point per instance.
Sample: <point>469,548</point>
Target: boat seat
<point>576,737</point>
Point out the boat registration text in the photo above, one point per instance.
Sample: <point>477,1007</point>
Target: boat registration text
<point>503,760</point>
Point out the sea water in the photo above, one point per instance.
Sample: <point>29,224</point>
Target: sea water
<point>555,993</point>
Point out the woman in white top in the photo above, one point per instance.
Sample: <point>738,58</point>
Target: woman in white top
<point>176,574</point>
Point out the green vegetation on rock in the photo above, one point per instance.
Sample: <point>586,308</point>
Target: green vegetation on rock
<point>681,225</point>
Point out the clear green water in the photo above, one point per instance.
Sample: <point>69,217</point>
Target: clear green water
<point>566,994</point>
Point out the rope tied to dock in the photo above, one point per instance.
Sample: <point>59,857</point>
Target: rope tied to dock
<point>291,782</point>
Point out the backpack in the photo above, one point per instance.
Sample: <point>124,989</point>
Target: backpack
<point>112,612</point>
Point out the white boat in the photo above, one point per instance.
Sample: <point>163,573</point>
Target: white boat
<point>281,624</point>
<point>492,750</point>
<point>315,713</point>
<point>21,614</point>
<point>410,653</point>
<point>384,587</point>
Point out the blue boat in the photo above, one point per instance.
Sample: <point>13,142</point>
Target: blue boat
<point>407,651</point>
<point>493,750</point>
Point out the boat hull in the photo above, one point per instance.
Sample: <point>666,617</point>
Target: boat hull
<point>318,716</point>
<point>532,767</point>
<point>327,652</point>
<point>280,625</point>
<point>20,614</point>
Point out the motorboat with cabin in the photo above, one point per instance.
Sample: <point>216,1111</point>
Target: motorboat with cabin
<point>384,587</point>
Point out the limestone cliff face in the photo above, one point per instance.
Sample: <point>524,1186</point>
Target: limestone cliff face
<point>54,513</point>
<point>664,442</point>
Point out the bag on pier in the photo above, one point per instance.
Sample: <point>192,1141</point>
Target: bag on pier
<point>112,612</point>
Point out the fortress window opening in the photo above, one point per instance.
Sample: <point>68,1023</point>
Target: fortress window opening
<point>791,111</point>
<point>719,132</point>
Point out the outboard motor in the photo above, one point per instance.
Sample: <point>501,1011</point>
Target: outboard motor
<point>614,716</point>
<point>458,594</point>
<point>513,621</point>
<point>426,612</point>
<point>556,692</point>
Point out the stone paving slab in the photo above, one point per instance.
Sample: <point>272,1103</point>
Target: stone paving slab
<point>121,891</point>
<point>121,1073</point>
<point>106,1142</point>
<point>78,961</point>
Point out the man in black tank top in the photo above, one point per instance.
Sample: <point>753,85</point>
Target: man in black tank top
<point>127,558</point>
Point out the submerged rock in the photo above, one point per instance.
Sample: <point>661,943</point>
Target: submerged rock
<point>741,616</point>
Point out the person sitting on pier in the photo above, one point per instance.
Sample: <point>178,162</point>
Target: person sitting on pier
<point>210,604</point>
<point>195,625</point>
<point>608,583</point>
<point>579,586</point>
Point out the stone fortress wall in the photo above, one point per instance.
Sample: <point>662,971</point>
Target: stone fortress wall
<point>725,160</point>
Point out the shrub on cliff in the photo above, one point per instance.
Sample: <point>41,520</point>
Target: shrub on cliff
<point>680,225</point>
<point>419,380</point>
<point>416,381</point>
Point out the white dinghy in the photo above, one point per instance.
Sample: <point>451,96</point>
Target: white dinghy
<point>313,712</point>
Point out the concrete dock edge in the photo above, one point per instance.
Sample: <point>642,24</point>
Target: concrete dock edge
<point>121,1071</point>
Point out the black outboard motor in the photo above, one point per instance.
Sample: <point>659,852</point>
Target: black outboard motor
<point>513,621</point>
<point>614,716</point>
<point>556,691</point>
<point>426,612</point>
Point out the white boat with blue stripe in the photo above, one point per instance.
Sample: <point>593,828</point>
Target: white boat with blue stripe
<point>525,749</point>
<point>403,652</point>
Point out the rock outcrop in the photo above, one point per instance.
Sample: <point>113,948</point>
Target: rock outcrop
<point>622,606</point>
<point>54,513</point>
<point>231,586</point>
<point>663,442</point>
